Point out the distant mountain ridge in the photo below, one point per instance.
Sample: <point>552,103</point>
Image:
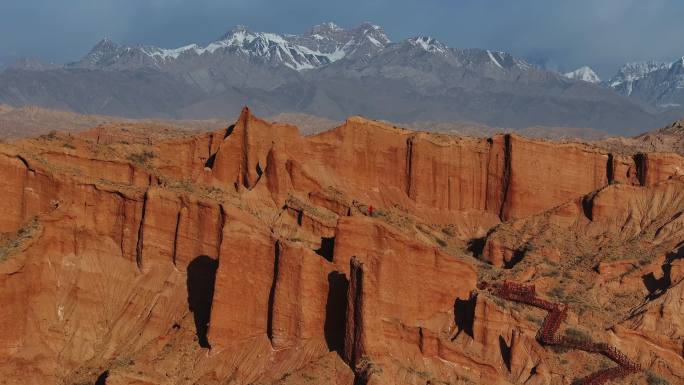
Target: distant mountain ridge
<point>321,45</point>
<point>330,72</point>
<point>658,83</point>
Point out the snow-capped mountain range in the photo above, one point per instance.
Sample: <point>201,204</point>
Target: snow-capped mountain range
<point>335,72</point>
<point>321,45</point>
<point>657,83</point>
<point>632,72</point>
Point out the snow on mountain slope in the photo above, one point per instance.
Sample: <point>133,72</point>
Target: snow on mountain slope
<point>323,44</point>
<point>429,44</point>
<point>583,73</point>
<point>624,80</point>
<point>328,71</point>
<point>659,84</point>
<point>320,46</point>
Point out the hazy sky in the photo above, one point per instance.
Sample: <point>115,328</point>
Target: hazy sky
<point>603,34</point>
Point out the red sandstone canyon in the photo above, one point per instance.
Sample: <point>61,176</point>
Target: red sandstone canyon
<point>251,255</point>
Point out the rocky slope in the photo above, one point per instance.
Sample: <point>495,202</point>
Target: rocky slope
<point>667,139</point>
<point>254,255</point>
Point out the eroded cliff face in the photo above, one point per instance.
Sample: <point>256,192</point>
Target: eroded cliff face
<point>252,255</point>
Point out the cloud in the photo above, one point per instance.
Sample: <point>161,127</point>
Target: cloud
<point>601,33</point>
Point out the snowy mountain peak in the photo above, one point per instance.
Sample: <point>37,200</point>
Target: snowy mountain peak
<point>105,44</point>
<point>503,60</point>
<point>428,43</point>
<point>367,25</point>
<point>636,70</point>
<point>623,81</point>
<point>240,28</point>
<point>324,28</point>
<point>369,33</point>
<point>583,73</point>
<point>656,82</point>
<point>104,52</point>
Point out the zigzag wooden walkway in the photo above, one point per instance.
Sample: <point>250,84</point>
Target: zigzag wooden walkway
<point>548,334</point>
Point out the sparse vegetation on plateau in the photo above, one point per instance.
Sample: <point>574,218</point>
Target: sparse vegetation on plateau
<point>142,158</point>
<point>10,244</point>
<point>653,379</point>
<point>577,334</point>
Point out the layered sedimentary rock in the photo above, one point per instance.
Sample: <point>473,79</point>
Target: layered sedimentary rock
<point>255,255</point>
<point>395,285</point>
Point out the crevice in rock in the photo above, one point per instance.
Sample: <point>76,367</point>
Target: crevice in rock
<point>518,256</point>
<point>352,343</point>
<point>271,294</point>
<point>211,143</point>
<point>658,286</point>
<point>221,225</point>
<point>139,244</point>
<point>201,277</point>
<point>210,161</point>
<point>490,142</point>
<point>26,163</point>
<point>533,372</point>
<point>102,378</point>
<point>336,312</point>
<point>464,315</point>
<point>409,164</point>
<point>587,206</point>
<point>610,169</point>
<point>476,246</point>
<point>327,248</point>
<point>641,165</point>
<point>361,377</point>
<point>244,118</point>
<point>259,172</point>
<point>175,236</point>
<point>506,177</point>
<point>505,352</point>
<point>229,131</point>
<point>300,216</point>
<point>655,286</point>
<point>121,214</point>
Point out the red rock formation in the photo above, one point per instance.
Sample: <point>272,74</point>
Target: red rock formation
<point>248,255</point>
<point>247,262</point>
<point>300,295</point>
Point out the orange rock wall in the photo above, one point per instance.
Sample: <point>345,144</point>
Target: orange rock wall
<point>244,282</point>
<point>395,284</point>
